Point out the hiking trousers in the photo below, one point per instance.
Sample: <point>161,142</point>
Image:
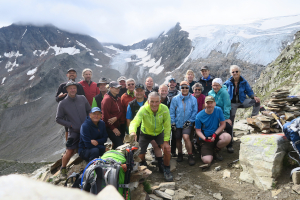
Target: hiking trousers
<point>246,104</point>
<point>91,154</point>
<point>117,140</point>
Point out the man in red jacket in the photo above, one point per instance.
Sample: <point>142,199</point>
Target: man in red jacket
<point>90,88</point>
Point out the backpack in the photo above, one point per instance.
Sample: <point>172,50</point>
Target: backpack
<point>291,131</point>
<point>109,170</point>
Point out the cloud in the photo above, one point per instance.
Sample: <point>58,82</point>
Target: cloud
<point>130,21</point>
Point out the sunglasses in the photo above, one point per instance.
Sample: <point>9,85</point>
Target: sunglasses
<point>235,72</point>
<point>131,84</point>
<point>198,90</point>
<point>185,88</point>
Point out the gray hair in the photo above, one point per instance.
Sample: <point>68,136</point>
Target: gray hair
<point>163,85</point>
<point>198,85</point>
<point>87,69</point>
<point>153,94</point>
<point>234,67</point>
<point>130,80</point>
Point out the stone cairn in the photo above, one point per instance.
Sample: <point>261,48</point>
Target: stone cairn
<point>280,105</point>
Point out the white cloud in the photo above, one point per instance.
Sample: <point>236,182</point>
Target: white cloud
<point>133,20</point>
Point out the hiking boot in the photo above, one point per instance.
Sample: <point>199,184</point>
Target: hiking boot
<point>230,150</point>
<point>161,167</point>
<point>217,154</point>
<point>174,155</point>
<point>143,163</point>
<point>63,173</point>
<point>180,157</point>
<point>191,160</point>
<point>168,174</point>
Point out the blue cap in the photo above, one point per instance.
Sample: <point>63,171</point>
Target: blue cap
<point>172,79</point>
<point>95,109</point>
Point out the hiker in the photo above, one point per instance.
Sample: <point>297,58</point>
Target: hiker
<point>71,113</point>
<point>62,92</point>
<point>221,96</point>
<point>190,75</point>
<point>122,81</point>
<point>198,88</point>
<point>172,91</point>
<point>163,92</point>
<point>206,80</point>
<point>238,88</point>
<point>210,124</point>
<point>156,125</point>
<point>92,136</point>
<point>113,115</point>
<point>90,87</point>
<point>129,95</point>
<point>149,86</point>
<point>103,90</point>
<point>183,112</point>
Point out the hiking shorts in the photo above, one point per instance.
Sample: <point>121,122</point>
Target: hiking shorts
<point>73,140</point>
<point>207,148</point>
<point>180,131</point>
<point>146,139</point>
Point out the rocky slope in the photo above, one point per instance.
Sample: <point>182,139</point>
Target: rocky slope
<point>283,72</point>
<point>33,62</point>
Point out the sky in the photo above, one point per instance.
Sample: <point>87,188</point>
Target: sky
<point>130,21</point>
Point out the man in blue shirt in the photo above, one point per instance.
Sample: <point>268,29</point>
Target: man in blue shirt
<point>210,124</point>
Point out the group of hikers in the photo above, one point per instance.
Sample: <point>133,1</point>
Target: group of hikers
<point>200,113</point>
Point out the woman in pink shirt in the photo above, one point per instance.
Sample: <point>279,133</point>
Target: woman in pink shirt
<point>197,89</point>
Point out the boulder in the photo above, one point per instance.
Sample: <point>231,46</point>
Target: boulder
<point>32,189</point>
<point>261,158</point>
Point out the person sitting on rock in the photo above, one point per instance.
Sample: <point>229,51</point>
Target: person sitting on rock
<point>156,125</point>
<point>92,136</point>
<point>219,92</point>
<point>183,112</point>
<point>238,88</point>
<point>210,124</point>
<point>71,113</point>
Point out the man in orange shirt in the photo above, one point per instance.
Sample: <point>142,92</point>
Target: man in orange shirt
<point>129,95</point>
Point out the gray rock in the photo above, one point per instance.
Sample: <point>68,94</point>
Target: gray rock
<point>162,194</point>
<point>296,177</point>
<point>218,196</point>
<point>218,168</point>
<point>197,186</point>
<point>170,192</point>
<point>261,158</point>
<point>167,185</point>
<point>154,197</point>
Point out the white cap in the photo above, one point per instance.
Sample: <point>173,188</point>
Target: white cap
<point>218,80</point>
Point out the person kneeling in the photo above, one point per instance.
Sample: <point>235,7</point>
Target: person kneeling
<point>92,136</point>
<point>210,124</point>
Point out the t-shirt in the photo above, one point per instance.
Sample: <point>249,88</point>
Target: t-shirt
<point>129,113</point>
<point>209,123</point>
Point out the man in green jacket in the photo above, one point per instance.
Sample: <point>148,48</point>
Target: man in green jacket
<point>156,125</point>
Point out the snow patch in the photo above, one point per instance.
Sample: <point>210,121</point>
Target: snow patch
<point>25,102</point>
<point>32,71</point>
<point>3,80</point>
<point>149,45</point>
<point>113,48</point>
<point>106,54</point>
<point>11,65</point>
<point>167,79</point>
<point>80,44</point>
<point>96,59</point>
<point>47,42</point>
<point>24,33</point>
<point>32,77</point>
<point>68,50</point>
<point>91,54</point>
<point>12,54</point>
<point>98,65</point>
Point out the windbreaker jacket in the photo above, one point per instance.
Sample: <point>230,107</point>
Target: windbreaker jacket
<point>244,89</point>
<point>183,108</point>
<point>112,107</point>
<point>89,131</point>
<point>207,85</point>
<point>222,100</point>
<point>90,90</point>
<point>152,125</point>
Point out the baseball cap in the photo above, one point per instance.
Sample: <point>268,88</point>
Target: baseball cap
<point>102,80</point>
<point>71,69</point>
<point>172,79</point>
<point>122,78</point>
<point>95,109</point>
<point>184,83</point>
<point>137,86</point>
<point>204,68</point>
<point>209,98</point>
<point>70,83</point>
<point>114,84</point>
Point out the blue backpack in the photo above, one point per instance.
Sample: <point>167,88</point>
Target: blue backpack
<point>292,131</point>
